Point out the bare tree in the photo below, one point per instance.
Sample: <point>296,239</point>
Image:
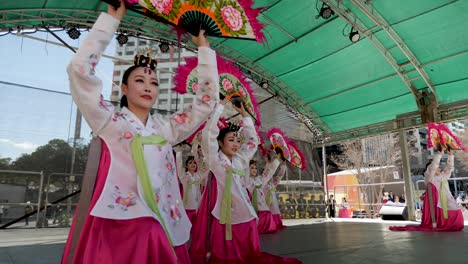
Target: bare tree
<point>374,159</point>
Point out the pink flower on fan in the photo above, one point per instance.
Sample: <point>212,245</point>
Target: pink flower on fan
<point>194,87</point>
<point>227,85</point>
<point>163,6</point>
<point>232,17</point>
<point>296,160</point>
<point>241,90</point>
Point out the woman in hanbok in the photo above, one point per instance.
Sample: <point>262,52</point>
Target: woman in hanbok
<point>447,214</point>
<point>226,226</point>
<point>136,214</point>
<point>271,200</point>
<point>191,182</point>
<point>344,209</point>
<point>256,186</point>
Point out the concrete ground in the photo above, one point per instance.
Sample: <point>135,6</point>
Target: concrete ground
<point>312,241</point>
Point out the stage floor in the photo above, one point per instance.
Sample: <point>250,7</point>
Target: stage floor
<point>312,241</point>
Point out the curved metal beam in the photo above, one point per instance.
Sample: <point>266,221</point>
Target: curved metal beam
<point>340,9</point>
<point>380,21</point>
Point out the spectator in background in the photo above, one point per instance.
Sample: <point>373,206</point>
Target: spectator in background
<point>301,206</point>
<point>2,212</point>
<point>27,210</point>
<point>331,206</point>
<point>291,204</point>
<point>391,197</point>
<point>311,209</point>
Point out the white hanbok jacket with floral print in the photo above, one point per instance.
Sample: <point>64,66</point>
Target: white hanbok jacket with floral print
<point>241,207</point>
<point>122,196</point>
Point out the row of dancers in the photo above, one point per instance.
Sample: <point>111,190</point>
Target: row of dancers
<point>261,188</point>
<point>136,213</point>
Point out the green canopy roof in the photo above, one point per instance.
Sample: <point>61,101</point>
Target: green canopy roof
<point>339,89</point>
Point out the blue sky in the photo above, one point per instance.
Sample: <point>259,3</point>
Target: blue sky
<point>30,118</point>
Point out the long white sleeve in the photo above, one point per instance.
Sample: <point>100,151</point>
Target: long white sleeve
<point>185,123</point>
<point>85,86</point>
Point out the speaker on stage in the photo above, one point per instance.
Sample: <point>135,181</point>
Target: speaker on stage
<point>391,212</point>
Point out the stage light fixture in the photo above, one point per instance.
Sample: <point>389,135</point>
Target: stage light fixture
<point>264,84</point>
<point>164,46</point>
<point>354,35</point>
<point>326,12</point>
<point>122,39</point>
<point>74,33</point>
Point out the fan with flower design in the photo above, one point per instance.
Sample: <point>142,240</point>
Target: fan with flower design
<point>297,157</point>
<point>279,142</point>
<point>220,18</point>
<point>232,83</point>
<point>440,138</point>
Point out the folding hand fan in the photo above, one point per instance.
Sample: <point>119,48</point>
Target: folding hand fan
<point>297,157</point>
<point>279,142</point>
<point>449,140</point>
<point>220,18</point>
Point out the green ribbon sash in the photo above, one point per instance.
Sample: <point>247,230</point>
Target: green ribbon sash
<point>443,198</point>
<point>268,196</point>
<point>225,217</point>
<point>255,197</point>
<point>143,174</point>
<point>187,190</point>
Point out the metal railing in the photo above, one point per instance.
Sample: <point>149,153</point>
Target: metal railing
<point>68,192</point>
<point>41,183</point>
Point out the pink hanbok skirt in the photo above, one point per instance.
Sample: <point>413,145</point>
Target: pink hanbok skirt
<point>266,222</point>
<point>139,240</point>
<point>454,222</point>
<point>192,215</point>
<point>244,246</point>
<point>279,222</point>
<point>344,213</point>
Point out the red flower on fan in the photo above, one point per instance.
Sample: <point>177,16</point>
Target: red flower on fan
<point>227,85</point>
<point>232,17</point>
<point>163,6</point>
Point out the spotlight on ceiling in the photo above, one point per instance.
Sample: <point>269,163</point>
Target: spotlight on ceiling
<point>354,35</point>
<point>164,47</point>
<point>74,33</point>
<point>326,12</point>
<point>122,39</point>
<point>264,84</point>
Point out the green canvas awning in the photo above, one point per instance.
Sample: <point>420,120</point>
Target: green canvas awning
<point>339,89</point>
